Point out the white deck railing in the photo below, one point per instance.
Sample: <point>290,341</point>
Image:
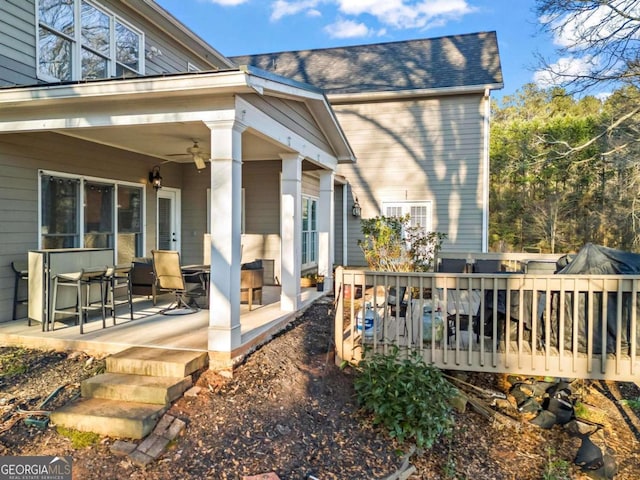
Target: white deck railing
<point>579,326</point>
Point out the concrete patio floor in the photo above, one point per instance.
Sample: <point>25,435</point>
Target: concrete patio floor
<point>150,328</point>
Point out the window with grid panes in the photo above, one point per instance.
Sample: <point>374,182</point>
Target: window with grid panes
<point>79,40</point>
<point>419,213</point>
<point>309,232</point>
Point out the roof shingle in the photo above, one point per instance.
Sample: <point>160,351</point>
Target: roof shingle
<point>443,62</point>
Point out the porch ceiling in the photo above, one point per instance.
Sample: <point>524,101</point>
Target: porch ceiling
<point>169,142</point>
<point>162,116</point>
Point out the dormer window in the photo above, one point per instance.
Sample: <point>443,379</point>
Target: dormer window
<point>77,39</point>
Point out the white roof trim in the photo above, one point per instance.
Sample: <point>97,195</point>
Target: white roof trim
<point>194,83</point>
<point>402,94</point>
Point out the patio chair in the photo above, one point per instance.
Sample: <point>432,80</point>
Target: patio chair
<point>453,265</point>
<point>487,266</point>
<point>21,275</point>
<point>170,278</point>
<point>85,300</point>
<point>118,279</point>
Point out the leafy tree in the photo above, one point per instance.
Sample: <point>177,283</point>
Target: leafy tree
<point>535,191</point>
<point>548,194</point>
<point>393,244</point>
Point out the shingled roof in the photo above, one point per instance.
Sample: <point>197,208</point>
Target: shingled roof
<point>470,60</point>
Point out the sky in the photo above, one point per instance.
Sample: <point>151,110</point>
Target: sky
<point>239,27</point>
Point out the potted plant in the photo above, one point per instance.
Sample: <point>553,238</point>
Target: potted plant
<point>308,280</point>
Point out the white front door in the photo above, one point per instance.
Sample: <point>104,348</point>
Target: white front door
<point>168,219</point>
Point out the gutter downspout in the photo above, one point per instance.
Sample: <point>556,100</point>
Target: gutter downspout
<point>485,172</point>
<point>345,187</point>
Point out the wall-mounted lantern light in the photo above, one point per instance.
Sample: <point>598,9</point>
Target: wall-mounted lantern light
<point>356,210</point>
<point>155,179</point>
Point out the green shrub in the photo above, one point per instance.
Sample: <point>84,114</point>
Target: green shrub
<point>392,244</point>
<point>409,398</point>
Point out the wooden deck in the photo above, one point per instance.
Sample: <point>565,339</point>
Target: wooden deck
<point>152,329</point>
<point>578,326</point>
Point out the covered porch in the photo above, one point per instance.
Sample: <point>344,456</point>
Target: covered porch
<point>268,146</point>
<point>150,328</point>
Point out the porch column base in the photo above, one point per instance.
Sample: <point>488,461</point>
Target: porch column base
<point>224,339</point>
<point>288,304</point>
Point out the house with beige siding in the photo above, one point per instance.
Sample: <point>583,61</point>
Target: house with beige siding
<point>416,114</point>
<point>98,96</point>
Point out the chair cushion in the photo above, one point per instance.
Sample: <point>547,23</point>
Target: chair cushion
<point>453,265</point>
<point>255,265</point>
<point>487,266</point>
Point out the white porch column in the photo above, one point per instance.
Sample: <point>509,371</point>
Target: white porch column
<point>291,231</point>
<point>326,239</point>
<point>226,204</point>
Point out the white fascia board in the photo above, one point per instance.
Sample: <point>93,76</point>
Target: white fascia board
<point>338,98</point>
<point>194,84</point>
<point>105,120</point>
<point>260,122</point>
<point>265,83</point>
<point>272,84</point>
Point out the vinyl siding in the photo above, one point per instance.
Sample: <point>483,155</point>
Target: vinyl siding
<point>194,211</point>
<point>21,155</point>
<point>418,150</point>
<point>293,115</point>
<point>174,57</point>
<point>17,42</point>
<point>261,239</point>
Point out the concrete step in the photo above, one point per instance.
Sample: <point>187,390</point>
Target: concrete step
<point>110,418</point>
<point>157,362</point>
<point>135,388</point>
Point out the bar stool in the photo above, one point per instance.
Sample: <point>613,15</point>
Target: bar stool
<point>20,274</point>
<point>118,279</point>
<point>84,278</point>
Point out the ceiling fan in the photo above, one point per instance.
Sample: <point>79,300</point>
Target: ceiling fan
<point>198,155</point>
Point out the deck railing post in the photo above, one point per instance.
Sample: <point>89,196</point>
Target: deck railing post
<point>339,320</point>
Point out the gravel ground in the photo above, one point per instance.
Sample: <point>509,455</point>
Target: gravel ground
<point>290,410</point>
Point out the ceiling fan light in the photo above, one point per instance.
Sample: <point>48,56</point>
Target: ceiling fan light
<point>199,161</point>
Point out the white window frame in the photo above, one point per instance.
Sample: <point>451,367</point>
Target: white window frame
<point>405,208</point>
<point>313,261</point>
<point>81,227</point>
<point>76,42</point>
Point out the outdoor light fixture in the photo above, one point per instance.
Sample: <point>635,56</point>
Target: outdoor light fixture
<point>197,155</point>
<point>356,210</point>
<point>155,179</point>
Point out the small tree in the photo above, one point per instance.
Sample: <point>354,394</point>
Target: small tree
<point>392,244</point>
